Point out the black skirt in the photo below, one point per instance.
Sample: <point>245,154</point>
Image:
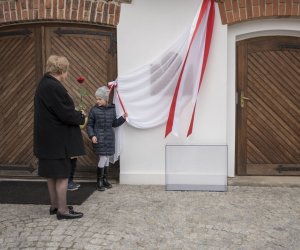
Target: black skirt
<point>54,168</point>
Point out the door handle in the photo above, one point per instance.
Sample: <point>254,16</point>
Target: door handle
<point>243,98</point>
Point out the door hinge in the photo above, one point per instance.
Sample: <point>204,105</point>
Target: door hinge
<point>287,167</point>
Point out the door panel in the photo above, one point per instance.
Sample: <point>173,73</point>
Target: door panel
<point>23,54</point>
<point>268,117</point>
<point>18,77</point>
<point>91,54</point>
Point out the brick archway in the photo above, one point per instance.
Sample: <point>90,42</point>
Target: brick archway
<point>235,11</point>
<point>101,12</point>
<point>107,12</point>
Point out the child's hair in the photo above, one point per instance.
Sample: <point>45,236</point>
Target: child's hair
<point>57,65</point>
<point>102,92</point>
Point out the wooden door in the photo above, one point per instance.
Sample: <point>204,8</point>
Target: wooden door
<point>268,106</point>
<point>23,54</point>
<point>19,73</point>
<point>91,53</point>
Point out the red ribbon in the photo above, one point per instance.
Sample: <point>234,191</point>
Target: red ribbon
<point>114,85</point>
<point>203,9</point>
<point>209,31</point>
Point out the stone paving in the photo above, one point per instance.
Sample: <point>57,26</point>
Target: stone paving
<point>148,217</point>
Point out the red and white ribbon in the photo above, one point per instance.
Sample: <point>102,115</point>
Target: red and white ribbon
<point>114,85</point>
<point>194,63</point>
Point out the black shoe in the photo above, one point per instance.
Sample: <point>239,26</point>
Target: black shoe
<point>70,215</point>
<point>54,210</point>
<point>101,189</point>
<point>100,184</point>
<point>106,183</point>
<point>105,179</point>
<point>72,186</point>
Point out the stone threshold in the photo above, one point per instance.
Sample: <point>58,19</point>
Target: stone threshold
<point>265,181</point>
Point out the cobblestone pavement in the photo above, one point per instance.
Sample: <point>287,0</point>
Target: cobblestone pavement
<point>148,217</point>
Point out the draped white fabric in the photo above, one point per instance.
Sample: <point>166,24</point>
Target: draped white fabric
<point>191,70</point>
<point>146,93</point>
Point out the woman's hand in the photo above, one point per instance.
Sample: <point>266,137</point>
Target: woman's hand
<point>94,139</point>
<point>125,115</point>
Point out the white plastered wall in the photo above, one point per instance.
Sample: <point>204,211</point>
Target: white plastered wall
<point>237,32</point>
<point>145,30</point>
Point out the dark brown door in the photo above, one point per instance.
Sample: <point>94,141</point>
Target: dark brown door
<point>23,53</point>
<point>268,106</point>
<point>92,54</point>
<point>18,76</point>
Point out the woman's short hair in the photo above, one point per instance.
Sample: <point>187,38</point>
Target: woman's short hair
<point>57,65</point>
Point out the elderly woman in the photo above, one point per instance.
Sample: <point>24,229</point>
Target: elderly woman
<point>57,136</point>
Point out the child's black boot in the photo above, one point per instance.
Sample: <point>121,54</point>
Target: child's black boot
<point>105,178</point>
<point>100,175</point>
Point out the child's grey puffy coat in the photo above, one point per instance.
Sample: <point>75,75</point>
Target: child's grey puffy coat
<point>101,122</point>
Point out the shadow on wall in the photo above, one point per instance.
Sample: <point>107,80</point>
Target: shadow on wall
<point>163,73</point>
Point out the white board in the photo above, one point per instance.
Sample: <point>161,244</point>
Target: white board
<point>196,167</point>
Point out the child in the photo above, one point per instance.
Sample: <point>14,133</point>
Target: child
<point>72,186</point>
<point>102,119</point>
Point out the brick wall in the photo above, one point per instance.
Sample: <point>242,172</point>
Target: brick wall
<point>102,12</point>
<point>233,11</point>
<point>107,12</point>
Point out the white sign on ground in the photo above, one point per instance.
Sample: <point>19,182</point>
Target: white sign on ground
<point>196,167</point>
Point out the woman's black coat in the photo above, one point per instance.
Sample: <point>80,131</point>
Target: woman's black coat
<point>56,122</point>
<point>101,122</point>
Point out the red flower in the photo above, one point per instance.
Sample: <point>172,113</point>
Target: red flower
<point>80,79</point>
<point>83,93</point>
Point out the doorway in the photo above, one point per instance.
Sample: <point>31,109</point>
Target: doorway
<point>24,50</point>
<point>268,106</point>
